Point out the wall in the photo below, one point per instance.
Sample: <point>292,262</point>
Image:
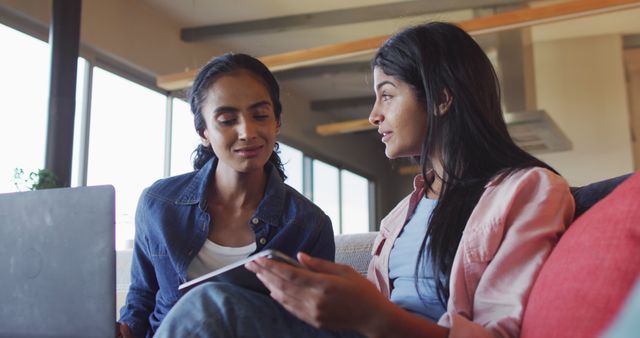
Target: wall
<point>632,63</point>
<point>580,83</point>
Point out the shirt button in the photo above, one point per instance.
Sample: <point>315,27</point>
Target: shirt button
<point>255,220</point>
<point>263,241</point>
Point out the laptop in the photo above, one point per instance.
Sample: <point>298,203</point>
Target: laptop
<point>57,263</point>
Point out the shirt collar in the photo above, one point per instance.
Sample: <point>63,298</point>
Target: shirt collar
<point>270,208</point>
<point>419,182</point>
<point>194,192</point>
<point>419,186</point>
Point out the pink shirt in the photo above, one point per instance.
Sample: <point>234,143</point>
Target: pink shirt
<point>510,233</point>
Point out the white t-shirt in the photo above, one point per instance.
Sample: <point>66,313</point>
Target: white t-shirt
<point>213,256</point>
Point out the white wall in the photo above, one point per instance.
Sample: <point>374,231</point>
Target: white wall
<point>632,63</point>
<point>580,82</point>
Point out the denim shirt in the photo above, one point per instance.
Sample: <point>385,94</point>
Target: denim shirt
<point>172,224</point>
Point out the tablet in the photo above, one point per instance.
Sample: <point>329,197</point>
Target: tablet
<point>237,274</point>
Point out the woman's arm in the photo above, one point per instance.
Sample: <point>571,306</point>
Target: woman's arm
<point>324,245</point>
<point>140,300</point>
<point>335,297</point>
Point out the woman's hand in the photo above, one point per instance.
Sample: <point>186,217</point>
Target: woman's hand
<point>328,295</point>
<point>122,330</point>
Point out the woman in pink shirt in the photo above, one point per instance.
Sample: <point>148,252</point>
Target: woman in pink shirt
<point>494,215</point>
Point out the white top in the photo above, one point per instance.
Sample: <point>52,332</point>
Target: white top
<point>213,256</point>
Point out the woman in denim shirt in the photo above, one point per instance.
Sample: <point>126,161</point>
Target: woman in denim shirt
<point>234,204</point>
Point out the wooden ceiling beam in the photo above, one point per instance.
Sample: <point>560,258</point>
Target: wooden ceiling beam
<point>488,24</point>
<point>345,127</point>
<point>344,16</point>
<point>343,104</point>
<point>409,170</point>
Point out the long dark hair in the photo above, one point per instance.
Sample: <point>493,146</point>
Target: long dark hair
<point>222,65</point>
<point>470,138</point>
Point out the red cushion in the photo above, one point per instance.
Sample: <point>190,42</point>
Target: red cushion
<point>590,272</point>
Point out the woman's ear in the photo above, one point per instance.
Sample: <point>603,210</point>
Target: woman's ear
<point>445,102</point>
<point>204,138</point>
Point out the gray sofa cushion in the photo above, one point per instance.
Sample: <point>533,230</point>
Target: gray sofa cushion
<point>355,250</point>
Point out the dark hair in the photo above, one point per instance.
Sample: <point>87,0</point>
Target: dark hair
<point>470,138</point>
<point>223,65</point>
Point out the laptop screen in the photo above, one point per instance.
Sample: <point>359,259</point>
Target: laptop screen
<point>57,263</point>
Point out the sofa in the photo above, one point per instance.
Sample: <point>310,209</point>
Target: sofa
<point>581,286</point>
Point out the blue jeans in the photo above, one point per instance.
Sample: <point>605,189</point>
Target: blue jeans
<point>626,324</point>
<point>226,310</point>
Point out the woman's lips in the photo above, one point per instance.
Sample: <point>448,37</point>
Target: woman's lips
<point>249,152</point>
<point>386,136</point>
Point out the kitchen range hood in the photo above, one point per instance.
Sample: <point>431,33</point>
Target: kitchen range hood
<point>531,128</point>
<point>535,132</point>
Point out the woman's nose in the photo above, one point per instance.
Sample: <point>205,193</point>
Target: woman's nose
<point>246,129</point>
<point>375,117</point>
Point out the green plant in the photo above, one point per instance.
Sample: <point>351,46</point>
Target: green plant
<point>38,180</point>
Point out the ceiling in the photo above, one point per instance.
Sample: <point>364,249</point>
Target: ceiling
<point>300,24</point>
<point>296,25</point>
<point>339,89</point>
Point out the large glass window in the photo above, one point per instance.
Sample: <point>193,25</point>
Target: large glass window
<point>24,68</point>
<point>126,146</point>
<point>184,138</point>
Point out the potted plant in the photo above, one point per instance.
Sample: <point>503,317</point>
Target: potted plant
<point>35,180</point>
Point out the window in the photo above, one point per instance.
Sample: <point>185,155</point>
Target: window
<point>24,66</point>
<point>344,197</point>
<point>326,191</point>
<point>292,160</point>
<point>126,147</point>
<point>184,138</point>
<point>355,203</point>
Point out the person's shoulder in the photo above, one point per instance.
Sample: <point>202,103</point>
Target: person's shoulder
<point>301,203</point>
<point>531,176</point>
<point>170,188</point>
<point>525,184</point>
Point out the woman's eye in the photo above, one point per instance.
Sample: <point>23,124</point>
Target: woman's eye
<point>386,97</point>
<point>261,117</point>
<point>227,122</point>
